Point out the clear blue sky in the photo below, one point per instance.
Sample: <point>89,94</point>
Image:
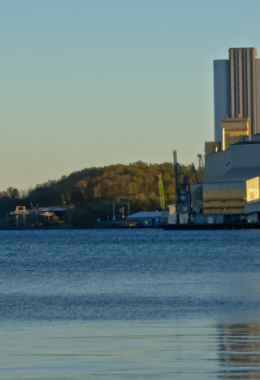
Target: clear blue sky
<point>93,83</point>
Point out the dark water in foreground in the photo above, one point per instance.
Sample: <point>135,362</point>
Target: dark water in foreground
<point>130,304</point>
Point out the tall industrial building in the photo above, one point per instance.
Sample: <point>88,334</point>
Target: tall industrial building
<point>237,89</point>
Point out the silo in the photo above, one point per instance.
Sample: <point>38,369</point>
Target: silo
<point>221,93</point>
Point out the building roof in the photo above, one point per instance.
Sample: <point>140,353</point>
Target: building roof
<point>234,119</point>
<point>55,208</point>
<point>250,47</point>
<point>147,214</point>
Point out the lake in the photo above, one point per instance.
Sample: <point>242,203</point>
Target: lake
<point>127,304</point>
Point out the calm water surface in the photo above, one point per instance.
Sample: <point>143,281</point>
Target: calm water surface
<point>130,304</point>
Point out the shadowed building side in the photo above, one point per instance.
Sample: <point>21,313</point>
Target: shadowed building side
<point>221,94</point>
<point>258,94</point>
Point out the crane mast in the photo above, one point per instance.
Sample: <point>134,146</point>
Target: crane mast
<point>182,190</point>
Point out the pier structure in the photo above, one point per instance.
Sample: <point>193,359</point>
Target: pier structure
<point>21,213</point>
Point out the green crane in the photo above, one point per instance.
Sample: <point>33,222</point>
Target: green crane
<point>162,198</point>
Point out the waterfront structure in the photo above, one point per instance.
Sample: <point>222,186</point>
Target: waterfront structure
<point>36,213</point>
<point>232,161</point>
<point>148,218</point>
<point>232,178</point>
<point>231,190</point>
<point>237,89</point>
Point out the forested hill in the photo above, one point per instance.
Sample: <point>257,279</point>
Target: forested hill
<point>95,188</point>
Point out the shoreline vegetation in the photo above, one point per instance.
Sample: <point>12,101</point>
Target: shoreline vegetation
<point>89,194</point>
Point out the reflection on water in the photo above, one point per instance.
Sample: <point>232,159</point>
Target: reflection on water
<point>126,351</point>
<point>122,351</point>
<point>239,351</point>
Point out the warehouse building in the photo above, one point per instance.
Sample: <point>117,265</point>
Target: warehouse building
<point>232,179</point>
<point>232,161</point>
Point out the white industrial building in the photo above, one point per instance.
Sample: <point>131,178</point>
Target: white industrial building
<point>231,190</point>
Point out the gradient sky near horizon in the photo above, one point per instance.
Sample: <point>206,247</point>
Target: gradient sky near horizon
<point>93,83</point>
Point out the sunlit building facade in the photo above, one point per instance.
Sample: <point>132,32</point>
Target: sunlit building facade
<point>237,89</point>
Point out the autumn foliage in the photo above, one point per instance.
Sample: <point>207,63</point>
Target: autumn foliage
<point>94,189</point>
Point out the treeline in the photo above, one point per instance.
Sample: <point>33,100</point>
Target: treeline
<point>94,189</point>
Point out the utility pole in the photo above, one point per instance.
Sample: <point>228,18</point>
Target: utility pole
<point>114,218</point>
<point>162,198</point>
<point>37,213</point>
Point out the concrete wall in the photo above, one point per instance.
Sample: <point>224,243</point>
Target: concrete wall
<point>231,138</point>
<point>238,156</point>
<point>252,207</point>
<point>252,218</point>
<point>224,198</point>
<point>221,93</point>
<point>212,147</point>
<point>217,164</point>
<point>172,217</point>
<point>245,155</point>
<point>256,138</point>
<point>198,219</point>
<point>209,218</point>
<point>184,218</point>
<point>252,189</point>
<point>224,210</point>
